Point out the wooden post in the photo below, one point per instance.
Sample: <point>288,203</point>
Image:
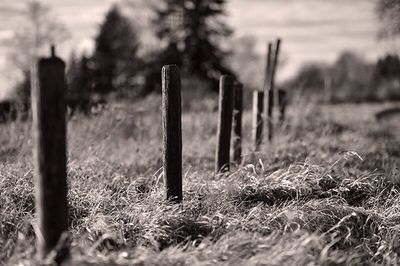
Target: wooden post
<point>282,102</point>
<point>49,136</point>
<point>273,76</point>
<point>268,62</point>
<point>271,89</point>
<point>225,110</point>
<point>267,90</point>
<point>172,132</point>
<point>237,123</point>
<point>258,124</point>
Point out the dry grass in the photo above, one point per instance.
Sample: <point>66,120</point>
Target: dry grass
<point>326,193</point>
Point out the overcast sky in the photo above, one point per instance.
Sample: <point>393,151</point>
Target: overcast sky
<point>312,30</point>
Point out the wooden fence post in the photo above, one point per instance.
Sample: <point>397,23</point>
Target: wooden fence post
<point>225,111</point>
<point>282,102</point>
<point>50,153</point>
<point>172,132</point>
<point>272,95</point>
<point>267,90</point>
<point>237,123</point>
<point>273,76</point>
<point>258,124</point>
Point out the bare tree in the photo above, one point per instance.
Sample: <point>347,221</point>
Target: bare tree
<point>37,30</point>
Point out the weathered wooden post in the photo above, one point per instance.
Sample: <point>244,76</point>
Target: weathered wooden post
<point>282,102</point>
<point>49,153</point>
<point>272,95</point>
<point>268,91</point>
<point>237,123</point>
<point>258,123</point>
<point>273,76</point>
<point>225,110</point>
<point>172,132</point>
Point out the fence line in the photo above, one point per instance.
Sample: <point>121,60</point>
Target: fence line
<point>50,148</point>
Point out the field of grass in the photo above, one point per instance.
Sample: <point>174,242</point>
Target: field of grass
<point>326,192</point>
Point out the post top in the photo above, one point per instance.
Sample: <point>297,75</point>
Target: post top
<point>172,66</point>
<point>238,83</point>
<point>53,51</point>
<point>170,70</point>
<point>44,61</point>
<point>53,59</point>
<point>226,78</point>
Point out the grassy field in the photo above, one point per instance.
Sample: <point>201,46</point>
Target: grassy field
<point>326,192</point>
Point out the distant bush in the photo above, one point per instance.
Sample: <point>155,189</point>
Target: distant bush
<point>349,79</point>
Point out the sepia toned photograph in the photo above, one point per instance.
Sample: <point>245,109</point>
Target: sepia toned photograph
<point>199,132</point>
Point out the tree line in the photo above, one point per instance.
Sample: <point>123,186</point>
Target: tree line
<point>189,34</point>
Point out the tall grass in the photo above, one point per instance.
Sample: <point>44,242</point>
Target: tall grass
<point>325,193</point>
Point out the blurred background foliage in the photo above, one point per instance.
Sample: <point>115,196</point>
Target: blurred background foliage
<point>195,35</point>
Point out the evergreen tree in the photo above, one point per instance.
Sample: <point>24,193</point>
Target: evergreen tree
<point>79,84</point>
<point>170,55</point>
<point>197,28</point>
<point>115,56</point>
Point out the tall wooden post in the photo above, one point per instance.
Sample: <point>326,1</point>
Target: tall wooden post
<point>268,91</point>
<point>282,102</point>
<point>258,124</point>
<point>225,110</point>
<point>49,135</point>
<point>172,132</point>
<point>273,76</point>
<point>272,95</point>
<point>237,123</point>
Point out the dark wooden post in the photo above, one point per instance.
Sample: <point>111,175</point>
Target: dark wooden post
<point>172,132</point>
<point>272,95</point>
<point>258,124</point>
<point>282,102</point>
<point>267,90</point>
<point>49,135</point>
<point>225,110</point>
<point>273,76</point>
<point>237,123</point>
